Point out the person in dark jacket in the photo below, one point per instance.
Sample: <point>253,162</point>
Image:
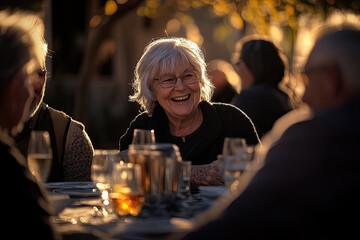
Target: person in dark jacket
<point>25,207</point>
<point>308,187</point>
<point>172,86</point>
<point>264,96</point>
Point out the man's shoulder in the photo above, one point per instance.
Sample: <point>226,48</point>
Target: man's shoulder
<point>310,133</point>
<point>57,114</point>
<point>60,116</point>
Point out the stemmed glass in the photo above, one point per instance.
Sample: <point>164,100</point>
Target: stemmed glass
<point>234,159</point>
<point>143,136</point>
<point>126,196</point>
<point>39,155</point>
<point>102,169</point>
<point>233,145</point>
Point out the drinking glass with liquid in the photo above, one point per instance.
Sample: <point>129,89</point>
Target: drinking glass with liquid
<point>126,196</point>
<point>39,155</point>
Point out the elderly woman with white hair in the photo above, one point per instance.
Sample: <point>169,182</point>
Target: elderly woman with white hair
<point>174,90</point>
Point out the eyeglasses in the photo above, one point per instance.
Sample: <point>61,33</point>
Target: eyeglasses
<point>188,77</point>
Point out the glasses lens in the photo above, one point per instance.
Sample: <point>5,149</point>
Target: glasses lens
<point>167,81</point>
<point>189,78</point>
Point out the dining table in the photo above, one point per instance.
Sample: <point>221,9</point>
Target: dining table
<point>81,211</point>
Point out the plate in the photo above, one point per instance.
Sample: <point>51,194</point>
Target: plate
<point>61,185</point>
<point>159,226</point>
<point>79,192</point>
<point>212,191</point>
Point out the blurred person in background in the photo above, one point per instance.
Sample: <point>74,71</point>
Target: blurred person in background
<point>71,146</point>
<point>25,202</point>
<point>225,80</point>
<point>308,186</point>
<point>265,95</point>
<point>172,86</point>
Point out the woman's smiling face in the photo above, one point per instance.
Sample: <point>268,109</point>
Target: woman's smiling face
<point>180,101</point>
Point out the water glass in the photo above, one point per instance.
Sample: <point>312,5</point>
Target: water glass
<point>233,159</point>
<point>126,196</point>
<point>232,146</point>
<point>143,136</point>
<point>102,168</point>
<point>39,155</point>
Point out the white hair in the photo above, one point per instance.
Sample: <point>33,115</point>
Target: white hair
<point>21,43</point>
<point>162,56</point>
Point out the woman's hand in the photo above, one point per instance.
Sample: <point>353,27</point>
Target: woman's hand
<point>206,175</point>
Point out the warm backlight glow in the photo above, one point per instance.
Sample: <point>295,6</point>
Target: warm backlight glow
<point>110,7</point>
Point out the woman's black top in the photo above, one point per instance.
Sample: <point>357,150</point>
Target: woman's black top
<point>202,146</point>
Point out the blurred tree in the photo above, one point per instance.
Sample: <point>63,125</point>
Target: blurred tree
<point>258,12</point>
<point>101,25</point>
<point>236,14</point>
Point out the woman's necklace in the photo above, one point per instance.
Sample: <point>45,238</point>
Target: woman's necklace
<point>193,125</point>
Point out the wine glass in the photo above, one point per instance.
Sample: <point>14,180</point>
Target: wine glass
<point>233,157</point>
<point>39,155</point>
<point>143,136</point>
<point>233,145</point>
<point>102,168</point>
<point>126,196</point>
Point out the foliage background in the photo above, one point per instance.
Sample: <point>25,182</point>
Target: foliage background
<point>95,44</point>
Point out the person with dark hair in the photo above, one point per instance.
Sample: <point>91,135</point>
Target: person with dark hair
<point>309,183</point>
<point>25,203</point>
<point>264,96</point>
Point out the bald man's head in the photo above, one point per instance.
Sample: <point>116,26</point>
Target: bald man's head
<point>333,69</point>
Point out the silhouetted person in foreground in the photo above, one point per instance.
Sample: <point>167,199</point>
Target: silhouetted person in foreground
<point>25,208</point>
<point>308,186</point>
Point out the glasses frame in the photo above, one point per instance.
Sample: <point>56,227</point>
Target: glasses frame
<point>174,78</point>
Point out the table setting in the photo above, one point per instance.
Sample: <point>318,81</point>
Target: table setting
<point>84,215</point>
<point>141,193</point>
